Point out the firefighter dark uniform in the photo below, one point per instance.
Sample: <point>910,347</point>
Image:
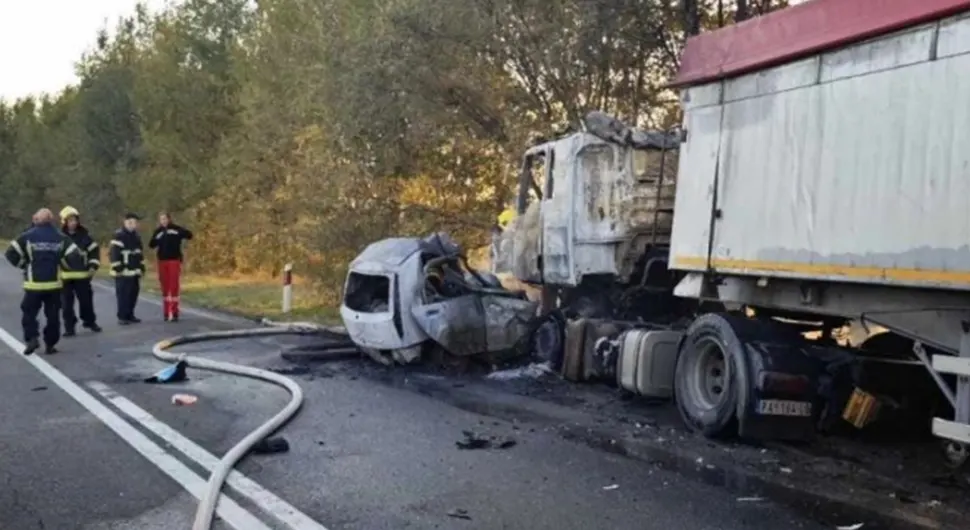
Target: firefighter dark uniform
<point>77,275</point>
<point>127,268</point>
<point>40,252</point>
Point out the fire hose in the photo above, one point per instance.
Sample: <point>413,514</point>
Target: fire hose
<point>207,504</point>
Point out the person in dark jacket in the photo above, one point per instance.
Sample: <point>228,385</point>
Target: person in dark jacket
<point>78,273</point>
<point>167,240</point>
<point>127,268</point>
<point>40,252</point>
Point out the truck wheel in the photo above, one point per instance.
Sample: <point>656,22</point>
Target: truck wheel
<point>709,376</point>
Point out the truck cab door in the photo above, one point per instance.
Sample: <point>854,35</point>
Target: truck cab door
<point>523,240</point>
<point>557,219</point>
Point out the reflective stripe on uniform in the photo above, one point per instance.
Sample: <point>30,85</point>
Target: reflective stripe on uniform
<point>92,246</point>
<point>117,243</point>
<point>29,270</point>
<point>70,250</point>
<point>42,286</point>
<point>127,273</point>
<point>94,261</point>
<point>75,275</point>
<point>16,246</point>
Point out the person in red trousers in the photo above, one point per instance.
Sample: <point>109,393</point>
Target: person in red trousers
<point>167,242</point>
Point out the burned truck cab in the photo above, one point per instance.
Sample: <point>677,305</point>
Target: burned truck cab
<point>591,207</point>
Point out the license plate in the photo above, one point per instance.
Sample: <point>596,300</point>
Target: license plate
<point>781,407</point>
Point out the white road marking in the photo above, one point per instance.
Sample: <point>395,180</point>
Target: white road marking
<point>266,500</point>
<point>228,510</point>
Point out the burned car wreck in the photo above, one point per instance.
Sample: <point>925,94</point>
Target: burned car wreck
<point>405,298</point>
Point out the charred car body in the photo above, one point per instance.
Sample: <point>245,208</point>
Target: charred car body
<point>405,297</point>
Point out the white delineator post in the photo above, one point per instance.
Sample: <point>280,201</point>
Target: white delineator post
<point>287,287</point>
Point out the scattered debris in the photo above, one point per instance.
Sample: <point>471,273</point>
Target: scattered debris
<point>184,399</point>
<point>751,499</point>
<point>856,526</point>
<point>173,373</point>
<point>531,371</point>
<point>297,369</point>
<point>785,470</point>
<point>269,446</point>
<point>507,443</point>
<point>459,513</point>
<point>611,487</point>
<point>475,441</point>
<point>38,388</point>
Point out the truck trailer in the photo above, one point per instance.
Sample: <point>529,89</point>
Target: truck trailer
<point>822,179</point>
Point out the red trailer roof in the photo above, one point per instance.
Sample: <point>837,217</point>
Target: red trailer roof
<point>800,31</point>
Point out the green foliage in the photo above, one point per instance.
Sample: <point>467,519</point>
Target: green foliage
<point>301,130</point>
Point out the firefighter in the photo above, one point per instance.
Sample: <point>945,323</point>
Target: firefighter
<point>78,273</point>
<point>40,252</point>
<point>505,218</point>
<point>167,240</point>
<point>127,268</point>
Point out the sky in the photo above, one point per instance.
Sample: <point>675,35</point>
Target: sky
<point>40,40</point>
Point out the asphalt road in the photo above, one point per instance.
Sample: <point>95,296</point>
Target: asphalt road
<point>85,444</point>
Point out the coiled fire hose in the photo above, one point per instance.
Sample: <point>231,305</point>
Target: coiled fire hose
<point>207,504</point>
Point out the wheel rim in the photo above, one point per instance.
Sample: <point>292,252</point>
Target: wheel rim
<point>708,376</point>
<point>956,454</point>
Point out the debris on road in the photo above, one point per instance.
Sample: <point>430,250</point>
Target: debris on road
<point>270,446</point>
<point>172,373</point>
<point>298,369</point>
<point>851,527</point>
<point>751,499</point>
<point>184,399</point>
<point>475,441</point>
<point>507,443</point>
<point>38,388</point>
<point>611,487</point>
<point>529,371</point>
<point>459,513</point>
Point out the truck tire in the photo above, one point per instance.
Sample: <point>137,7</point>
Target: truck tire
<point>710,376</point>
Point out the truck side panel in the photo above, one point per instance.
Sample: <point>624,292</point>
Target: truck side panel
<point>697,167</point>
<point>849,166</point>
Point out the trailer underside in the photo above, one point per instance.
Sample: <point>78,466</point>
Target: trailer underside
<point>939,319</point>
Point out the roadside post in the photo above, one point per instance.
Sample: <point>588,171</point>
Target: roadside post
<point>287,288</point>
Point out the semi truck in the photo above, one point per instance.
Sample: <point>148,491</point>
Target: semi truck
<point>820,179</point>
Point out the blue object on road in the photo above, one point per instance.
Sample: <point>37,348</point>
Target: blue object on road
<point>170,374</point>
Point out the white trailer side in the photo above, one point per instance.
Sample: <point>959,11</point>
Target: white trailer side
<point>849,165</point>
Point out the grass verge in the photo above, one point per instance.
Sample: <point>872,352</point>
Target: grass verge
<point>247,296</point>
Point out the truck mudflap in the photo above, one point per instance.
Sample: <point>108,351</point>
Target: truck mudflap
<point>795,387</point>
<point>761,378</point>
